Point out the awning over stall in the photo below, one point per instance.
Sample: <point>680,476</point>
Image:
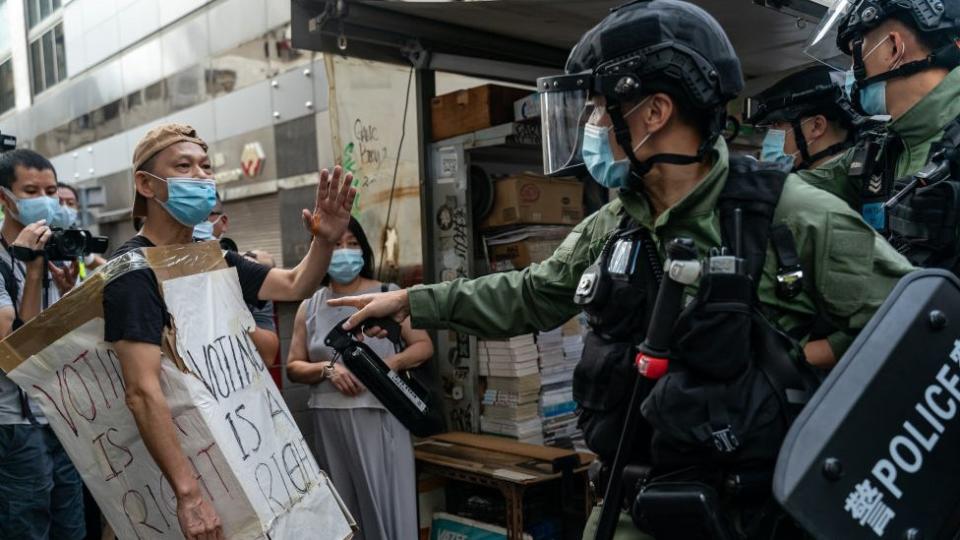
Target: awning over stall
<point>522,39</point>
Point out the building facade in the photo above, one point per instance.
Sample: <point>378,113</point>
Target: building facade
<point>82,80</point>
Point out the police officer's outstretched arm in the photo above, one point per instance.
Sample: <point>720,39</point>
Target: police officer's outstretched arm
<point>498,305</point>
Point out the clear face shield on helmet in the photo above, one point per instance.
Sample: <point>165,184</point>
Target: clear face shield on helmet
<point>565,108</point>
<point>822,43</point>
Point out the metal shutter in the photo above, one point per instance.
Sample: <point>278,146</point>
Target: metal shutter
<point>255,224</point>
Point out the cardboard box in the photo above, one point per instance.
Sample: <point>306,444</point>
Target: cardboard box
<point>450,527</point>
<point>251,460</point>
<point>520,254</point>
<point>535,199</point>
<point>470,110</point>
<point>527,107</point>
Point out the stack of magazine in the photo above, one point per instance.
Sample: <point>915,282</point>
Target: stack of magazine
<point>511,401</point>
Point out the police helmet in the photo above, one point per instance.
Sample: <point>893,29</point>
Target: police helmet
<point>938,20</point>
<point>816,90</point>
<point>640,48</point>
<point>810,91</point>
<point>835,39</point>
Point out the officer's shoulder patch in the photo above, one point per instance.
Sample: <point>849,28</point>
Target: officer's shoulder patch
<point>846,261</point>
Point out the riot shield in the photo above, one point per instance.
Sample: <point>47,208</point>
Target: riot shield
<point>876,452</point>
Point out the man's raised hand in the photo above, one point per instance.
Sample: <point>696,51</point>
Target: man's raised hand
<point>331,213</point>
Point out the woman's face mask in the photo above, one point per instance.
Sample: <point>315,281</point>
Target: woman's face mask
<point>345,265</point>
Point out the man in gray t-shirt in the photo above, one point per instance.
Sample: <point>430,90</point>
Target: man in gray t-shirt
<point>41,492</point>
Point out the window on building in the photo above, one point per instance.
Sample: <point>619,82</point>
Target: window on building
<point>4,28</point>
<point>38,10</point>
<point>7,95</point>
<point>48,59</point>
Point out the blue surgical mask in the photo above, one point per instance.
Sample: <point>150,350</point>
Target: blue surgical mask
<point>598,155</point>
<point>873,98</point>
<point>65,217</point>
<point>34,209</point>
<point>203,230</point>
<point>772,149</point>
<point>345,265</point>
<point>189,200</point>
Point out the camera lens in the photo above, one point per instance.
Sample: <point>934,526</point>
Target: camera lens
<point>71,244</point>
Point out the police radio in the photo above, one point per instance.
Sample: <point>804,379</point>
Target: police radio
<point>401,393</point>
<point>721,260</point>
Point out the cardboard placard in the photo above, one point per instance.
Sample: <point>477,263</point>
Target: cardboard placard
<point>251,460</point>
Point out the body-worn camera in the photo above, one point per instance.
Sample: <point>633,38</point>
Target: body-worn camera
<point>70,244</point>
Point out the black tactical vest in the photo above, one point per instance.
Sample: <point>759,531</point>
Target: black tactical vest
<point>925,224</point>
<point>735,380</point>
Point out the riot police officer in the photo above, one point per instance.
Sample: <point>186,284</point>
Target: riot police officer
<point>641,106</point>
<point>807,117</point>
<point>904,65</point>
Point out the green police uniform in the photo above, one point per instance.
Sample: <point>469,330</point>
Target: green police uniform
<point>849,268</point>
<point>917,129</point>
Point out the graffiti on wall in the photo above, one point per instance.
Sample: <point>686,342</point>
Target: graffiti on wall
<point>368,125</point>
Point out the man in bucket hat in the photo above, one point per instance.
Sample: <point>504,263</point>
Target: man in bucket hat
<point>175,191</point>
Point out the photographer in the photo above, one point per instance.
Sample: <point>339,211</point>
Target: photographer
<point>40,490</point>
<point>175,191</point>
<point>67,218</point>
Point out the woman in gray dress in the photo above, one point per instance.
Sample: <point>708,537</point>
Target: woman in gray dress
<point>365,449</point>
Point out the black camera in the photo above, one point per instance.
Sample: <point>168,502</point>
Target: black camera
<point>7,143</point>
<point>70,244</point>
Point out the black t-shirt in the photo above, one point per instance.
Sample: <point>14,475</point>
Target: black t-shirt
<point>133,309</point>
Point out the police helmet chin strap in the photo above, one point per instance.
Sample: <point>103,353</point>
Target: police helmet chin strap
<point>947,57</point>
<point>806,159</point>
<point>639,168</point>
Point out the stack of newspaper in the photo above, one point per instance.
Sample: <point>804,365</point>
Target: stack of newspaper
<point>560,351</point>
<point>510,402</point>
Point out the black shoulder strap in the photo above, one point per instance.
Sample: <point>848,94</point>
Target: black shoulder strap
<point>755,189</point>
<point>10,284</point>
<point>948,147</point>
